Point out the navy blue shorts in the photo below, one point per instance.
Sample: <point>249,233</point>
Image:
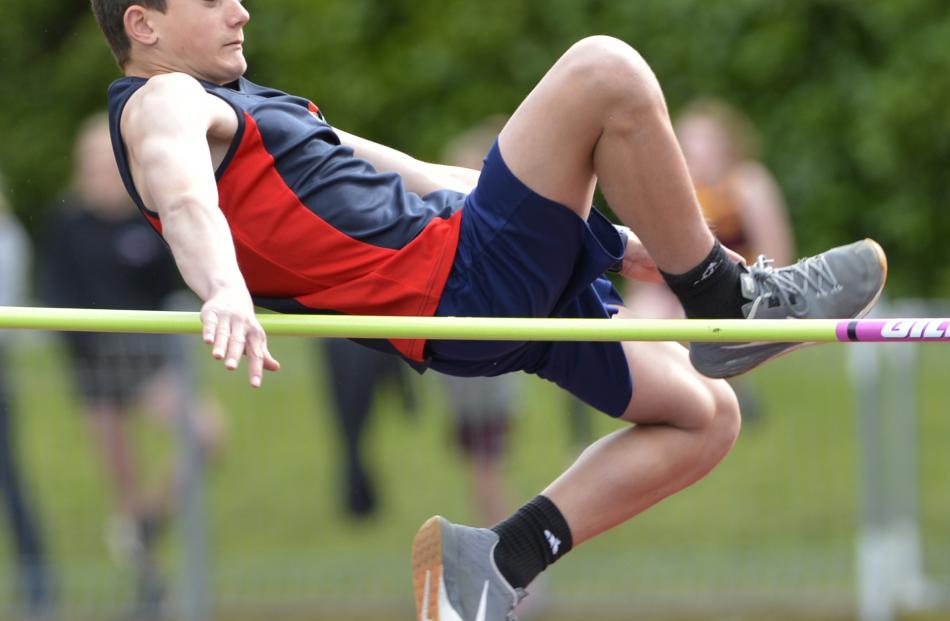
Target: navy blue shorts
<point>522,255</point>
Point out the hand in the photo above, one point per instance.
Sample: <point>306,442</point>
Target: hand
<point>735,256</point>
<point>231,328</point>
<point>639,265</point>
<point>637,262</point>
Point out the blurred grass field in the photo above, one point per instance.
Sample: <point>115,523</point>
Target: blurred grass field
<point>773,526</point>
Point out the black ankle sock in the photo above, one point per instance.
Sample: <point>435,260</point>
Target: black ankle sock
<point>530,540</point>
<point>711,290</point>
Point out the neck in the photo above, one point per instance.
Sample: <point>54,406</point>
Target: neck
<point>139,69</point>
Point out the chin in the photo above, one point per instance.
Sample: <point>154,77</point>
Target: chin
<point>231,73</point>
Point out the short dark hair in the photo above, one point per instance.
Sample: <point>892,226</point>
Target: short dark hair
<point>111,17</point>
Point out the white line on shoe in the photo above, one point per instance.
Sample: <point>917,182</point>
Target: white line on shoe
<point>482,604</point>
<point>446,612</point>
<point>425,597</point>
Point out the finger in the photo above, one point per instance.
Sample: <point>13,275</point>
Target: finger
<point>652,275</point>
<point>642,269</point>
<point>255,356</point>
<point>645,274</point>
<point>270,363</point>
<point>255,367</point>
<point>735,256</point>
<point>259,358</point>
<point>209,323</point>
<point>236,345</point>
<point>221,337</point>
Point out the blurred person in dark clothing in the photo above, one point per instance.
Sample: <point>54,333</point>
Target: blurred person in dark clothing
<point>482,407</point>
<point>99,254</point>
<point>356,375</point>
<point>33,576</point>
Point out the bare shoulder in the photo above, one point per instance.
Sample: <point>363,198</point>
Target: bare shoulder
<point>758,190</point>
<point>753,173</point>
<point>169,94</point>
<point>174,101</point>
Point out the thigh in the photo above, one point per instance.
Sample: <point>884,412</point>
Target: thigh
<point>519,255</point>
<point>549,141</point>
<point>596,372</point>
<point>114,368</point>
<point>668,389</point>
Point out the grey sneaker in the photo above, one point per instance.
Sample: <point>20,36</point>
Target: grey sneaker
<point>841,283</point>
<point>455,577</point>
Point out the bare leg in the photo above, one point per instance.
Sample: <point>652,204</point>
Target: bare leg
<point>162,398</point>
<point>132,538</point>
<point>686,424</point>
<point>487,483</point>
<point>109,429</point>
<point>599,116</point>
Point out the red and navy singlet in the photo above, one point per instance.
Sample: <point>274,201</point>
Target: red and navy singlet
<point>317,229</point>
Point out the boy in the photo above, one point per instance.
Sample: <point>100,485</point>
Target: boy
<point>257,195</point>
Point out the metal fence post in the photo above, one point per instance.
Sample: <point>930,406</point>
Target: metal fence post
<point>194,601</point>
<point>913,590</point>
<point>890,571</point>
<point>874,587</point>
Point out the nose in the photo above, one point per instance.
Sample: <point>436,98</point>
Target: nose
<point>240,15</point>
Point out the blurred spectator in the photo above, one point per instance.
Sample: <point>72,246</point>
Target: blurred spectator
<point>482,407</point>
<point>739,197</point>
<point>100,253</point>
<point>356,374</point>
<point>738,194</point>
<point>33,577</point>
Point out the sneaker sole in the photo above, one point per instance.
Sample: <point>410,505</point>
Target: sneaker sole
<point>882,260</point>
<point>427,569</point>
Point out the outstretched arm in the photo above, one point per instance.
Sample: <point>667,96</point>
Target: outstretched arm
<point>167,126</point>
<point>418,176</point>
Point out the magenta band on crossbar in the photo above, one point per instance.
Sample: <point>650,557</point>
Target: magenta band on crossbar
<point>892,330</point>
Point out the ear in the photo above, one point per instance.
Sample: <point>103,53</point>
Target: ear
<point>138,25</point>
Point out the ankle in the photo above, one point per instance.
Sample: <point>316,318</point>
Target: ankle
<point>710,290</point>
<point>530,540</point>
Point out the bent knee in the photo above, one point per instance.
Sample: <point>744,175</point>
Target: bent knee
<point>726,420</point>
<point>714,413</point>
<point>615,74</point>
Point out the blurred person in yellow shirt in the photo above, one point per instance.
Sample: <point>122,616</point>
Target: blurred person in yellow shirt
<point>740,199</point>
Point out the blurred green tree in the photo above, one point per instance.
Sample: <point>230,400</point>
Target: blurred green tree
<point>852,98</point>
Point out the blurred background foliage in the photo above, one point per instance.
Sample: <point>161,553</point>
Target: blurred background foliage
<point>852,97</point>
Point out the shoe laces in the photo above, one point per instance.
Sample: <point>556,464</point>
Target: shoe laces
<point>810,273</point>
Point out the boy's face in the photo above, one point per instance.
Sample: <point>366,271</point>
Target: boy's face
<point>203,38</point>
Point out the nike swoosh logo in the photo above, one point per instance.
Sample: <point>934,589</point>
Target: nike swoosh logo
<point>424,616</point>
<point>483,604</point>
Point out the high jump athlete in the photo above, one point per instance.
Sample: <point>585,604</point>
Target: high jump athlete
<point>262,201</point>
